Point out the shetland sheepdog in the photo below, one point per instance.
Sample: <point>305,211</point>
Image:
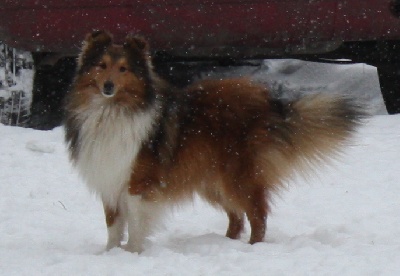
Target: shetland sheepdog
<point>142,144</point>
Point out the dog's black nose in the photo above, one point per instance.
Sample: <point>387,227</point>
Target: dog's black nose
<point>108,88</point>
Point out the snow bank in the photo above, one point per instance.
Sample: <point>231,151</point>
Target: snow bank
<point>292,78</point>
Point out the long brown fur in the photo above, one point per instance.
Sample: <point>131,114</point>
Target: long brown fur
<point>226,140</point>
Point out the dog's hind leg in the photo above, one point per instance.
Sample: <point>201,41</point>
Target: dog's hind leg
<point>236,225</point>
<point>236,217</point>
<point>257,211</point>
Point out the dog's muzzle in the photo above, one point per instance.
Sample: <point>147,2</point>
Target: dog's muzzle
<point>108,89</point>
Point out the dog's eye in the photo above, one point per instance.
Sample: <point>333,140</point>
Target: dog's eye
<point>102,65</point>
<point>122,69</point>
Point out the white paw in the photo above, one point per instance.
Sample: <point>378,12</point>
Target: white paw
<point>111,245</point>
<point>133,248</point>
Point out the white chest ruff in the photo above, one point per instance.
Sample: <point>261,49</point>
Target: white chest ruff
<point>109,143</point>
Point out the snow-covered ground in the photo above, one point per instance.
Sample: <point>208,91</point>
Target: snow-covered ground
<point>343,221</point>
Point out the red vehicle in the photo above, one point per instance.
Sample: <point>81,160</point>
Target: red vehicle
<point>224,31</point>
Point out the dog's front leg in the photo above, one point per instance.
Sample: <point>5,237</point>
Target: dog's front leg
<point>142,217</point>
<point>115,220</point>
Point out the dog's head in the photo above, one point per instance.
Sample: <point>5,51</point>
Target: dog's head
<point>121,73</point>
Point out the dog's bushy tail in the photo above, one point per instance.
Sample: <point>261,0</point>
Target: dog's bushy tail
<point>323,123</point>
<point>307,131</point>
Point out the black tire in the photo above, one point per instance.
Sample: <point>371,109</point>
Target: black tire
<point>50,85</point>
<point>389,80</point>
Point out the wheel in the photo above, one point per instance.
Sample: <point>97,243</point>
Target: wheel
<point>51,84</point>
<point>389,80</point>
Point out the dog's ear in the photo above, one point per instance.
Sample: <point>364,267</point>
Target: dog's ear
<point>98,38</point>
<point>137,44</point>
<point>94,45</point>
<point>138,52</point>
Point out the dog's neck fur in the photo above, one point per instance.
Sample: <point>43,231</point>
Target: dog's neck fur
<point>109,140</point>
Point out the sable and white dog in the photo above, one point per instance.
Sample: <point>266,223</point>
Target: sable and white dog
<point>141,144</point>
